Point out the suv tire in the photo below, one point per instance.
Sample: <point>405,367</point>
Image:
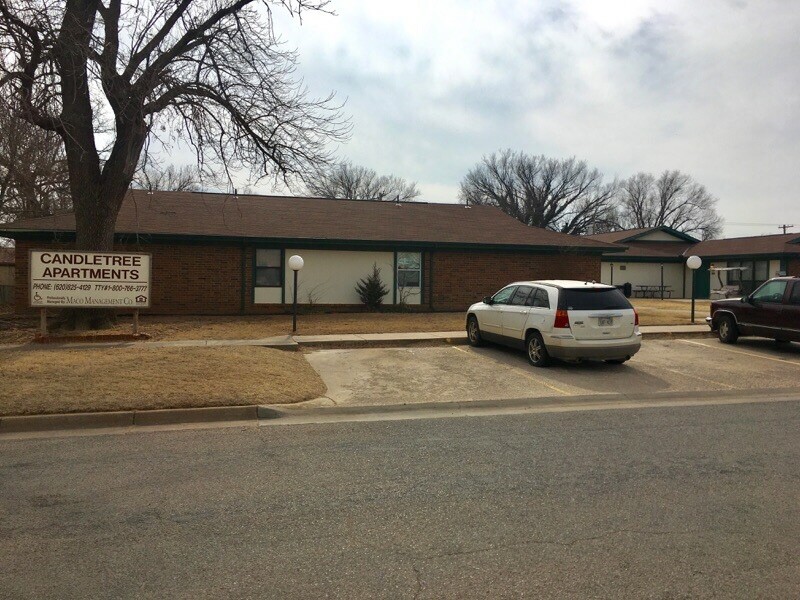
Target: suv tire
<point>474,332</point>
<point>536,350</point>
<point>726,330</point>
<point>616,361</point>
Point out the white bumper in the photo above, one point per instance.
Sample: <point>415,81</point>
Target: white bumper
<point>567,347</point>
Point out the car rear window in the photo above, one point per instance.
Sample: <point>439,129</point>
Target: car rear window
<point>593,299</point>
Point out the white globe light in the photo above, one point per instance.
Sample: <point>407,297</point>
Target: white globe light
<point>296,262</point>
<point>694,262</point>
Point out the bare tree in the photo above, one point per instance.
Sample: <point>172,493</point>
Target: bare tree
<point>563,195</point>
<point>33,170</point>
<point>170,179</point>
<point>209,72</point>
<point>353,182</point>
<point>674,199</point>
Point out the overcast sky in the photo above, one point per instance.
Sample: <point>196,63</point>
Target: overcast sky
<point>708,87</point>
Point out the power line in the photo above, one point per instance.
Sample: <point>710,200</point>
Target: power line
<point>753,224</point>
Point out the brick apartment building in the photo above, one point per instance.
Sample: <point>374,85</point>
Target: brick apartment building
<point>224,254</point>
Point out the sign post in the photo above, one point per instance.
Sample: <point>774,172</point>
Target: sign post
<point>74,279</point>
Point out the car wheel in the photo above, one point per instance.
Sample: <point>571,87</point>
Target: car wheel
<point>536,350</point>
<point>474,332</point>
<point>616,361</point>
<point>726,330</point>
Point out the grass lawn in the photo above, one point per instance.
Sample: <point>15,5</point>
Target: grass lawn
<point>61,380</point>
<point>23,330</point>
<point>670,312</point>
<point>15,329</point>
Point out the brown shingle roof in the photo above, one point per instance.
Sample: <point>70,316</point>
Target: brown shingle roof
<point>657,250</point>
<point>7,256</point>
<point>788,243</point>
<point>281,217</point>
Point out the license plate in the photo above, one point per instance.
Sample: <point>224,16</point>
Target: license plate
<point>605,321</point>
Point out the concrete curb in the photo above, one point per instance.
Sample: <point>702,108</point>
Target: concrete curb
<point>315,342</point>
<point>661,335</point>
<point>389,343</point>
<point>277,411</point>
<point>26,423</point>
<point>254,413</point>
<point>126,418</point>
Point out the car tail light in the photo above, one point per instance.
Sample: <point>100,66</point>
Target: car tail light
<point>562,320</point>
<point>635,317</point>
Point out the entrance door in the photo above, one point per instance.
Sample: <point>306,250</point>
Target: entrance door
<point>703,280</point>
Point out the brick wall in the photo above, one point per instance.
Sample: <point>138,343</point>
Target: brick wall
<point>206,279</point>
<point>186,278</point>
<point>462,278</point>
<point>793,267</point>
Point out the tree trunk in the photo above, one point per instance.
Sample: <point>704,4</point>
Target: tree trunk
<point>94,226</point>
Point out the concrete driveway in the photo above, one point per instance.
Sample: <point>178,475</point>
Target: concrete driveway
<point>458,373</point>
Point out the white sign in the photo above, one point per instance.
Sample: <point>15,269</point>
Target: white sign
<point>98,279</point>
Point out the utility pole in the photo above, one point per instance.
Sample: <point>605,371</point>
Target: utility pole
<point>785,227</point>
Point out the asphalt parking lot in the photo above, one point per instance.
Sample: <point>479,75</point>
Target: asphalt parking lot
<point>362,377</point>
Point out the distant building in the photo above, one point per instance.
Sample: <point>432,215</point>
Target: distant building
<point>650,252</point>
<point>225,254</point>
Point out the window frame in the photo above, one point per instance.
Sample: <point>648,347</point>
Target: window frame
<point>794,295</point>
<point>537,291</point>
<point>399,270</point>
<point>281,268</point>
<point>524,303</point>
<point>764,285</point>
<point>511,295</point>
<point>747,280</point>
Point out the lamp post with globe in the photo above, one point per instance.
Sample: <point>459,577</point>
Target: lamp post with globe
<point>694,263</point>
<point>295,264</point>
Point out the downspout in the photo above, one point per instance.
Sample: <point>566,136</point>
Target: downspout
<point>394,279</point>
<point>684,279</point>
<point>242,300</point>
<point>430,280</point>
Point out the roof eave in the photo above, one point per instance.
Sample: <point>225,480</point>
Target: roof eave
<point>127,237</point>
<point>674,232</point>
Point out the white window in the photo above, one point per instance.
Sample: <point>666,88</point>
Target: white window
<point>409,270</point>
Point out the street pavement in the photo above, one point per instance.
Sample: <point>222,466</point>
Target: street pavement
<point>687,502</point>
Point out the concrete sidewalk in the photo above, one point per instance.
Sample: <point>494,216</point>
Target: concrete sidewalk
<point>351,340</point>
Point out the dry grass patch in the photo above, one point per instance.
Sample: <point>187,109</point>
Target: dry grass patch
<point>256,327</point>
<point>18,329</point>
<point>61,380</point>
<point>669,312</point>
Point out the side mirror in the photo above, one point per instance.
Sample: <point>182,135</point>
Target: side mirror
<point>747,299</point>
<point>487,300</point>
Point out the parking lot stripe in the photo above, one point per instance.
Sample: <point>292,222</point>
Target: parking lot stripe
<point>682,374</point>
<point>780,360</point>
<point>528,375</point>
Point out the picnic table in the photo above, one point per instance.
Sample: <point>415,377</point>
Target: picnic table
<point>652,291</point>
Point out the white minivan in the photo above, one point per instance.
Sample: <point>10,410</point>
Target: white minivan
<point>570,320</point>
